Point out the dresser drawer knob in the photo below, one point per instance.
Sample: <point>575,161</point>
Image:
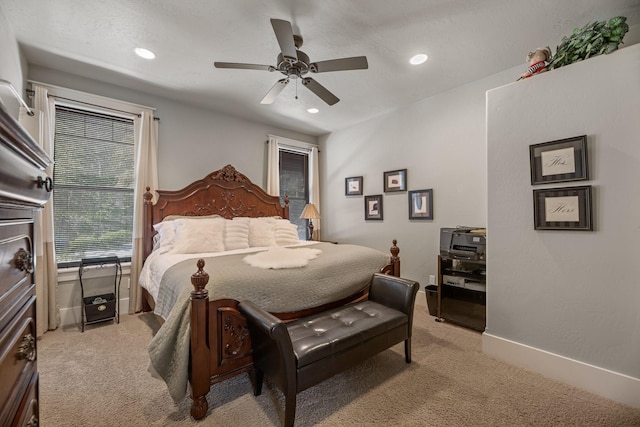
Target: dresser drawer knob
<point>27,349</point>
<point>23,261</point>
<point>47,183</point>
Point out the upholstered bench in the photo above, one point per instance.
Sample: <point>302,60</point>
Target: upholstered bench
<point>302,353</point>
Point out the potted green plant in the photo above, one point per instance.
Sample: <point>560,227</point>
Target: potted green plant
<point>591,40</point>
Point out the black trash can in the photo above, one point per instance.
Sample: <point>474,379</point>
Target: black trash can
<point>431,291</point>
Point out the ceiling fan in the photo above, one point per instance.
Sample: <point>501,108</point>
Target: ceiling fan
<point>295,64</point>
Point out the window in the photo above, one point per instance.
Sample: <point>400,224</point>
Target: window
<point>294,182</point>
<point>93,185</point>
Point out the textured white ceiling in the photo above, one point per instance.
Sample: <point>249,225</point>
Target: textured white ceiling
<point>465,40</point>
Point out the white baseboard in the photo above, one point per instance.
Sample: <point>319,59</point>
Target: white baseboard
<point>611,385</point>
<point>73,315</point>
<point>421,299</point>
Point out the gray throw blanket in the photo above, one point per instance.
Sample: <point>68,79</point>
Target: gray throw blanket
<point>339,271</point>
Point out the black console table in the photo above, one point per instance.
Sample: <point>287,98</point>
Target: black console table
<point>100,307</point>
<point>462,292</point>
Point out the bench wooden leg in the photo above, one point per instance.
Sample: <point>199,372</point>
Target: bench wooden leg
<point>259,377</point>
<point>407,350</point>
<point>290,410</point>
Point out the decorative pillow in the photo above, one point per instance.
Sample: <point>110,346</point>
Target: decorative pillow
<point>261,232</point>
<point>236,234</point>
<point>199,235</point>
<point>166,236</point>
<point>286,233</point>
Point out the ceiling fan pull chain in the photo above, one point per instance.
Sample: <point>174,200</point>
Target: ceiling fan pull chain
<point>297,88</point>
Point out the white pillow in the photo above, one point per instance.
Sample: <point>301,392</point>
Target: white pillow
<point>261,232</point>
<point>236,234</point>
<point>286,233</point>
<point>166,234</point>
<point>166,229</point>
<point>199,235</point>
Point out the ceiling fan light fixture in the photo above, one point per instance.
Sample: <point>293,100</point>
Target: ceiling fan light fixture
<point>418,59</point>
<point>144,53</point>
<point>313,110</point>
<point>295,64</point>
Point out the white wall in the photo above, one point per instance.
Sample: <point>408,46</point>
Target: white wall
<point>573,294</point>
<point>441,142</point>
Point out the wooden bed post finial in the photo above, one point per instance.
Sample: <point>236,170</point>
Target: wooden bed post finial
<point>395,250</point>
<point>147,196</point>
<point>199,280</point>
<point>395,259</point>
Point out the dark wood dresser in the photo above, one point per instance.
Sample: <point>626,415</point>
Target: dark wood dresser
<point>24,188</point>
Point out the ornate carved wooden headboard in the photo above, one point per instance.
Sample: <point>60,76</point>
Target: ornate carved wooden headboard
<point>225,192</point>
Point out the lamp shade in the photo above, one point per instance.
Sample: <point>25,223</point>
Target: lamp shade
<point>310,212</point>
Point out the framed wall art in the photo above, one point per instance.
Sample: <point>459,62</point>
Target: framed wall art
<point>353,186</point>
<point>563,209</point>
<point>421,204</point>
<point>559,161</point>
<point>373,207</point>
<point>395,180</point>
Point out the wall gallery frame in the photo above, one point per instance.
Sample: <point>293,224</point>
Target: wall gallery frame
<point>353,186</point>
<point>395,180</point>
<point>421,204</point>
<point>559,161</point>
<point>373,207</point>
<point>566,208</point>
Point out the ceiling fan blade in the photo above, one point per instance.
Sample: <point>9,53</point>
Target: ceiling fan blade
<point>322,92</point>
<point>353,63</point>
<point>236,65</point>
<point>274,91</point>
<point>284,34</point>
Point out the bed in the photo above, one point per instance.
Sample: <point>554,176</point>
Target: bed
<point>203,328</point>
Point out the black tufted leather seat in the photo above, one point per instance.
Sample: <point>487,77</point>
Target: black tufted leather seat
<point>302,353</point>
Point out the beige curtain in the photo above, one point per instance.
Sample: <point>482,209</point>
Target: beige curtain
<point>146,175</point>
<point>41,127</point>
<point>273,167</point>
<point>314,188</point>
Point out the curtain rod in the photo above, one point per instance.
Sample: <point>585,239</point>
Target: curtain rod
<point>17,95</point>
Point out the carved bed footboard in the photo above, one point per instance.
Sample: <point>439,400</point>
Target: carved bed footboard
<point>220,343</point>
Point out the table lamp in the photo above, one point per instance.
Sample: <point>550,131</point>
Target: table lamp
<point>310,212</point>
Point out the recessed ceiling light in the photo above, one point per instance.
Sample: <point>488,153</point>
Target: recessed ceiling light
<point>144,53</point>
<point>418,59</point>
<point>312,110</point>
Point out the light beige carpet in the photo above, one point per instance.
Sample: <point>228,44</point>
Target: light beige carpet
<point>100,378</point>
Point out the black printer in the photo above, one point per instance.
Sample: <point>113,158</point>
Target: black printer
<point>463,243</point>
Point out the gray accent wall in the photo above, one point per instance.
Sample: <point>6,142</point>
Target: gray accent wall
<point>575,294</point>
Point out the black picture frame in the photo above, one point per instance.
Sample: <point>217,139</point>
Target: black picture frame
<point>421,204</point>
<point>395,180</point>
<point>353,186</point>
<point>373,207</point>
<point>567,208</point>
<point>559,161</point>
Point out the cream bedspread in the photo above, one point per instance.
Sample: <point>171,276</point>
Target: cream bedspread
<point>339,271</point>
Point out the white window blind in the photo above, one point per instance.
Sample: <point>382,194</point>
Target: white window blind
<point>93,185</point>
